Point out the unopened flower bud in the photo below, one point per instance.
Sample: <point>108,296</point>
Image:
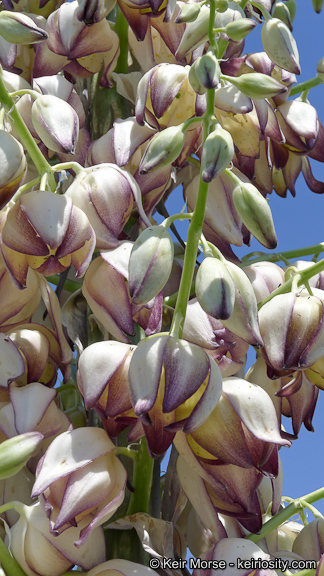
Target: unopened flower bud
<point>194,81</point>
<point>18,28</point>
<point>218,152</point>
<point>221,5</point>
<point>15,452</point>
<point>318,5</point>
<point>282,12</point>
<point>13,166</point>
<point>255,213</point>
<point>189,13</point>
<point>56,123</point>
<point>256,85</point>
<point>163,149</point>
<point>215,289</point>
<point>292,7</point>
<point>280,45</point>
<point>207,70</point>
<point>320,69</point>
<point>150,264</point>
<point>238,29</point>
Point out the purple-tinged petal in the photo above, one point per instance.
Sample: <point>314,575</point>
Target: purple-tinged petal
<point>301,117</point>
<point>188,366</point>
<point>314,185</point>
<point>128,136</point>
<point>119,257</point>
<point>255,408</point>
<point>71,451</point>
<point>97,365</point>
<point>291,171</point>
<point>165,83</point>
<point>30,403</point>
<point>51,219</point>
<point>208,401</point>
<point>145,373</point>
<point>274,322</point>
<point>141,97</point>
<point>260,62</point>
<point>11,362</point>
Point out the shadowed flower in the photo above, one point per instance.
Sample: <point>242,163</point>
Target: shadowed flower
<point>80,462</point>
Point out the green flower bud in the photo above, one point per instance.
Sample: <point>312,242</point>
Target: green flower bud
<point>18,28</point>
<point>256,85</point>
<point>255,213</point>
<point>318,5</point>
<point>194,81</point>
<point>292,7</point>
<point>221,5</point>
<point>207,70</point>
<point>150,264</point>
<point>215,289</point>
<point>280,45</point>
<point>15,452</point>
<point>320,69</point>
<point>218,152</point>
<point>238,29</point>
<point>189,13</point>
<point>163,149</point>
<point>282,12</point>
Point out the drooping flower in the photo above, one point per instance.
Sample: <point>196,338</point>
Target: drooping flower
<point>45,232</point>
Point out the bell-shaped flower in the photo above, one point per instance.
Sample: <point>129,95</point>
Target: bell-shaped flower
<point>41,352</point>
<point>19,28</point>
<point>265,277</point>
<point>249,422</point>
<point>48,245</point>
<point>226,489</point>
<point>165,96</point>
<point>107,194</point>
<point>102,380</point>
<point>163,407</point>
<point>13,163</point>
<point>72,46</point>
<point>56,123</point>
<point>124,145</point>
<point>292,329</point>
<point>38,551</point>
<point>18,306</point>
<point>150,264</point>
<point>227,349</point>
<point>122,567</point>
<point>82,460</point>
<point>32,408</point>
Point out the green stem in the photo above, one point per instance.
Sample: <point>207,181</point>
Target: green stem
<point>193,237</point>
<point>25,136</point>
<point>121,28</point>
<point>307,85</point>
<point>25,187</point>
<point>69,285</point>
<point>142,481</point>
<point>168,221</point>
<point>8,563</point>
<point>123,451</point>
<point>286,513</point>
<point>288,255</point>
